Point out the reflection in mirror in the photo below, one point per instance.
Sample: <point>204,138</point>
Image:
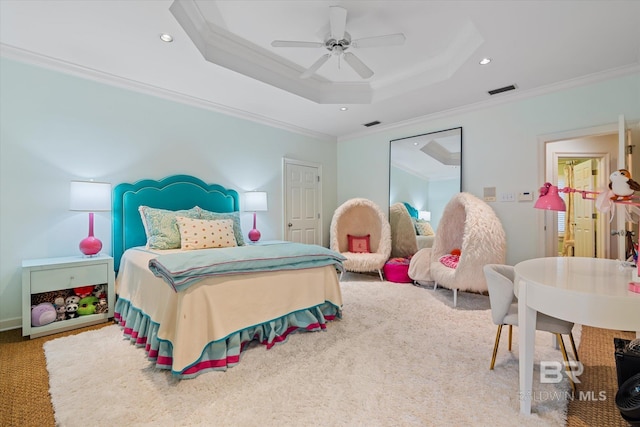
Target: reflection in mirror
<point>425,172</point>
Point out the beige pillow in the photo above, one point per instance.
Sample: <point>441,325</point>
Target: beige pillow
<point>424,228</point>
<point>161,228</point>
<point>205,234</point>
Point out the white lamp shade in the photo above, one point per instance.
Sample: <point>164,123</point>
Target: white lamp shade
<point>425,215</point>
<point>255,201</point>
<point>89,196</point>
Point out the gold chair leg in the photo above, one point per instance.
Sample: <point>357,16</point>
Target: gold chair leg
<point>510,336</point>
<point>566,362</point>
<point>495,347</point>
<point>573,346</point>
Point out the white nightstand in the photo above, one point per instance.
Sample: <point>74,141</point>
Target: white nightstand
<point>54,274</point>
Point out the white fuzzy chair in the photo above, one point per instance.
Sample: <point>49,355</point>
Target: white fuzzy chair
<point>403,232</point>
<point>361,217</point>
<point>468,224</point>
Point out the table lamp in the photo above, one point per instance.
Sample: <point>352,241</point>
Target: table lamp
<point>90,196</point>
<point>255,201</point>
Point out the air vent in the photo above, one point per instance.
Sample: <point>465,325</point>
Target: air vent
<point>502,89</point>
<point>373,123</point>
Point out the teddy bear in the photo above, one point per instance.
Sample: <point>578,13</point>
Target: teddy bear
<point>71,306</point>
<point>42,314</point>
<point>61,312</point>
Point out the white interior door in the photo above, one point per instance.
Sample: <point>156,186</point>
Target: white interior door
<point>585,242</point>
<point>302,202</point>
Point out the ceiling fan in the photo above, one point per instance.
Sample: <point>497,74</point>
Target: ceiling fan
<point>338,41</point>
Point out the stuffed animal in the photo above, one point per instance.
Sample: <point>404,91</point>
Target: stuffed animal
<point>42,297</point>
<point>102,306</point>
<point>59,301</point>
<point>83,291</point>
<point>622,185</point>
<point>87,306</point>
<point>61,312</point>
<point>100,291</point>
<point>42,314</point>
<point>71,306</point>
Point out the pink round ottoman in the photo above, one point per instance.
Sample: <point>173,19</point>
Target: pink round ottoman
<point>397,270</point>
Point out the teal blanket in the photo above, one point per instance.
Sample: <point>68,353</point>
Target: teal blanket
<point>183,269</point>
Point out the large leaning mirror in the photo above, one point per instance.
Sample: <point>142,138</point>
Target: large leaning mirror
<point>424,173</point>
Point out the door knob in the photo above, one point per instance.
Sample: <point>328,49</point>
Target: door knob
<point>290,225</point>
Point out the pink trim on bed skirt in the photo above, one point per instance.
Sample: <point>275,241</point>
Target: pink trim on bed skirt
<point>143,333</point>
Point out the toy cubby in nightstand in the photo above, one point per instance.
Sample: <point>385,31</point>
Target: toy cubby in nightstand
<point>54,274</point>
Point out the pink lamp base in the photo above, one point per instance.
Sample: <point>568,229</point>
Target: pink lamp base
<point>90,246</point>
<point>254,235</point>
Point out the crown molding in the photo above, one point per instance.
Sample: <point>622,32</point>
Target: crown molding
<point>503,99</point>
<point>69,68</point>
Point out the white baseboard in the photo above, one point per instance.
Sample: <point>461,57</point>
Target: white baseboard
<point>8,324</point>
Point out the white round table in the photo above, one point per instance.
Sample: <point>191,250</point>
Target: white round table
<point>588,291</point>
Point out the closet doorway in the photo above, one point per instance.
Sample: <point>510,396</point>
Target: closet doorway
<point>578,226</point>
<point>596,150</point>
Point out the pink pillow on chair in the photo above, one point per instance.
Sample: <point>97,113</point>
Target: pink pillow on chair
<point>450,261</point>
<point>359,243</point>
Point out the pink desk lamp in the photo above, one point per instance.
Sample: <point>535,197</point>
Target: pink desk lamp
<point>89,196</point>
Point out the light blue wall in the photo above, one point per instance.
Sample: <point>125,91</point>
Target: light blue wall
<point>422,194</point>
<point>409,188</point>
<point>56,128</point>
<point>500,149</point>
<point>439,195</point>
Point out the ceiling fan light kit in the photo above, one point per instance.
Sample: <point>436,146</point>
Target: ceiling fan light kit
<point>338,41</point>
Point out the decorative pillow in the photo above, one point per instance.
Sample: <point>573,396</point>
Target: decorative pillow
<point>450,261</point>
<point>413,212</point>
<point>161,227</point>
<point>359,243</point>
<point>423,228</point>
<point>206,234</point>
<point>234,216</point>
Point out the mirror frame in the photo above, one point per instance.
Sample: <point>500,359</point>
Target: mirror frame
<point>423,135</point>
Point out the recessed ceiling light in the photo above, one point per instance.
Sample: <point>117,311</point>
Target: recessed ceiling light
<point>485,61</point>
<point>344,108</point>
<point>167,38</point>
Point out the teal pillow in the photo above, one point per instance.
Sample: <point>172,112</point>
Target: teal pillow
<point>235,216</point>
<point>413,212</point>
<point>161,226</point>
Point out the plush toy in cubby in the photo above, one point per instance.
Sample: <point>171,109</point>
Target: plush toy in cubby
<point>71,303</point>
<point>43,314</point>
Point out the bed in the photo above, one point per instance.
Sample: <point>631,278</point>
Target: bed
<point>205,322</point>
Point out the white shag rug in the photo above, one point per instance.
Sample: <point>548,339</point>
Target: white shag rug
<point>400,356</point>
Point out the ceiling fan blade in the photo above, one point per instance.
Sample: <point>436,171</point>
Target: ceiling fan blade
<point>337,21</point>
<point>311,70</point>
<point>357,65</point>
<point>387,40</point>
<point>287,43</point>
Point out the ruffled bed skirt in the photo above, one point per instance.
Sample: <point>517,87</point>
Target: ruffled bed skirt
<point>221,354</point>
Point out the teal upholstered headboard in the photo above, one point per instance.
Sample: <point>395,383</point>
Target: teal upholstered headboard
<point>172,193</point>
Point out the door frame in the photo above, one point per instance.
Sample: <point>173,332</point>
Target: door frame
<point>548,172</point>
<point>285,196</point>
<point>603,159</point>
